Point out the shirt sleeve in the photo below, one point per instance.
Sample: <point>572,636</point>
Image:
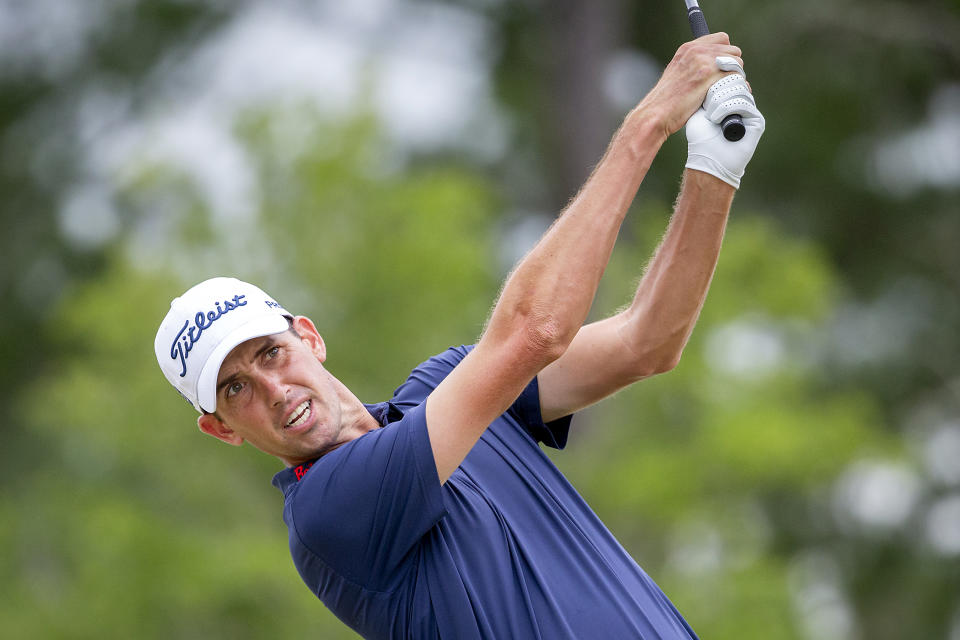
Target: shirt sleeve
<point>364,506</point>
<point>428,375</point>
<point>527,412</point>
<point>526,408</point>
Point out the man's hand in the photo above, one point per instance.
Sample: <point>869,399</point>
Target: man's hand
<point>684,83</point>
<point>707,149</point>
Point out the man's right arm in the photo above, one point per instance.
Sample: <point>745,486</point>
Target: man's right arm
<point>547,297</point>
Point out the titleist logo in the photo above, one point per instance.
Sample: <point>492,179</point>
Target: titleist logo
<point>189,335</point>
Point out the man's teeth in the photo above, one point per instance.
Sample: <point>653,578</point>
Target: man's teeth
<point>301,414</point>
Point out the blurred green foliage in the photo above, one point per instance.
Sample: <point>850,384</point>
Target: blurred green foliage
<point>178,534</point>
<point>148,529</point>
<point>119,519</point>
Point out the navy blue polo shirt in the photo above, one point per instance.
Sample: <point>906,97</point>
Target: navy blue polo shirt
<point>506,548</point>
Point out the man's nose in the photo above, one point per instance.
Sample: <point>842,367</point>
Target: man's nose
<point>275,389</point>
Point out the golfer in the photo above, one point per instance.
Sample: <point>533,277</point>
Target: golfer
<point>436,514</point>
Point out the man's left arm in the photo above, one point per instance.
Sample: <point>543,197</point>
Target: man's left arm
<point>648,337</point>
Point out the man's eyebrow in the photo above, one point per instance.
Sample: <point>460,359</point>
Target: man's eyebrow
<point>225,382</point>
<point>267,345</point>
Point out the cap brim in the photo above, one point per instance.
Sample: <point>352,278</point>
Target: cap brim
<point>265,325</point>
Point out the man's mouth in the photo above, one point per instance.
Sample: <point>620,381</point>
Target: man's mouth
<point>300,415</point>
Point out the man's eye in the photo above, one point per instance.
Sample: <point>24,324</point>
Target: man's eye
<point>273,352</point>
<point>234,389</point>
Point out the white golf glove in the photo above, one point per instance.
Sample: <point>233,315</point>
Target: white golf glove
<point>707,149</point>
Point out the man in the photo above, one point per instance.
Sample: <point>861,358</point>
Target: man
<point>436,514</point>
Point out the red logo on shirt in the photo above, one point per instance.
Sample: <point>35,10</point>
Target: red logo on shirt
<point>301,470</point>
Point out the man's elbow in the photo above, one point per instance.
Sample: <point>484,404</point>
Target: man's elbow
<point>545,340</point>
<point>530,341</point>
<point>668,362</point>
<point>655,363</point>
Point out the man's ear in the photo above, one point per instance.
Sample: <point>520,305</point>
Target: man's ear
<point>210,424</point>
<point>309,334</point>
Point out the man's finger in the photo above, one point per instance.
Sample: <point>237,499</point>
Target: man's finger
<point>731,63</point>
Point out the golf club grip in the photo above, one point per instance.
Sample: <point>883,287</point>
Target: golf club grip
<point>732,125</point>
<point>698,24</point>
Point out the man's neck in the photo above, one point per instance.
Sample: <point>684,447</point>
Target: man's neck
<point>354,415</point>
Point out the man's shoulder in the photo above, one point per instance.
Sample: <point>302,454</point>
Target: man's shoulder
<point>445,360</point>
<point>428,374</point>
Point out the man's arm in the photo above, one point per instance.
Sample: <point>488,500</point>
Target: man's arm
<point>546,299</point>
<point>648,337</point>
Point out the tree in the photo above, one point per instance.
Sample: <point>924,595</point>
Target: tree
<point>806,435</point>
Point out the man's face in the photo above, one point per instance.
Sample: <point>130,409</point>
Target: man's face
<point>274,393</point>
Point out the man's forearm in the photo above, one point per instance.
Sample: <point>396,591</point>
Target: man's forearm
<point>673,289</point>
<point>554,285</point>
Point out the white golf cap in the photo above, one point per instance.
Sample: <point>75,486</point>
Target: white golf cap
<point>204,325</point>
